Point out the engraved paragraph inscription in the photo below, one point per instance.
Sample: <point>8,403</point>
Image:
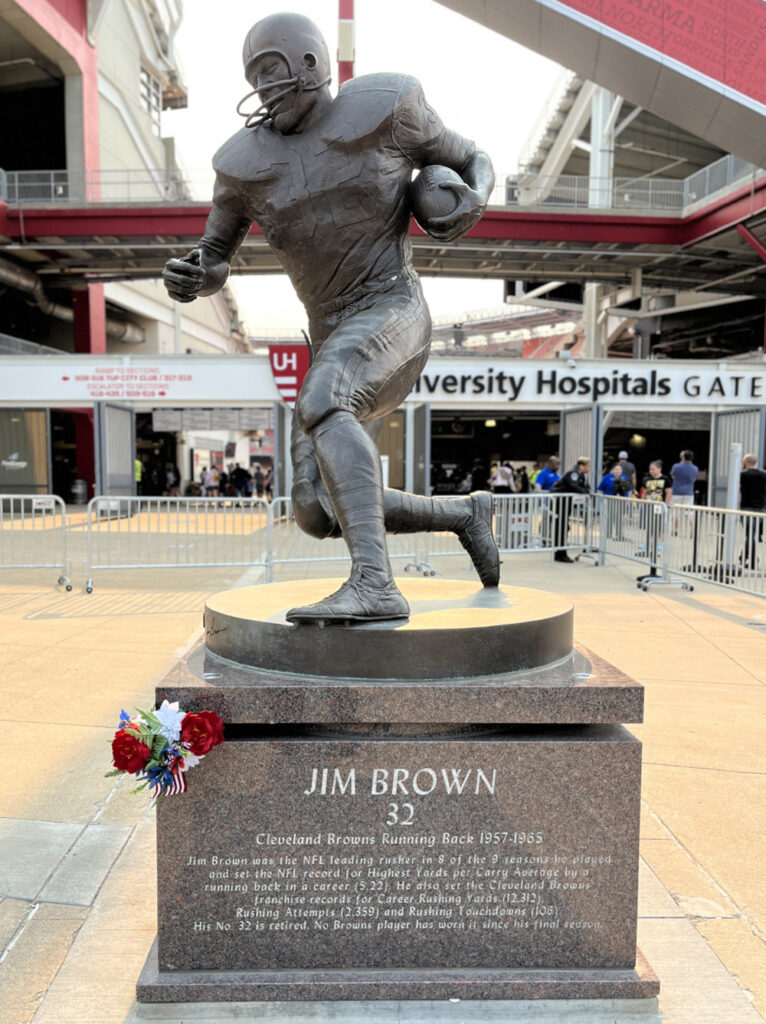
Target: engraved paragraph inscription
<point>514,854</point>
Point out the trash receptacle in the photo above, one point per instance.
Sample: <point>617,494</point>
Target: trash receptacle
<point>80,492</point>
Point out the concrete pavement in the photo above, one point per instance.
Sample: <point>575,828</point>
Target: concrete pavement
<point>77,850</point>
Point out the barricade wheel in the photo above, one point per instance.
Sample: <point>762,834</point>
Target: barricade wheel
<point>89,590</point>
<point>68,587</point>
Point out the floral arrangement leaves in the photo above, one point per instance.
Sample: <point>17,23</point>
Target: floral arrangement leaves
<point>160,746</point>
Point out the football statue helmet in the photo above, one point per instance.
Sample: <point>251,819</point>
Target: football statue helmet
<point>299,43</point>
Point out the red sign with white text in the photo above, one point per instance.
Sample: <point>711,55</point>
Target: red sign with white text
<point>289,365</point>
<point>723,39</point>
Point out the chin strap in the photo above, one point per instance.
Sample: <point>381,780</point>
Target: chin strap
<point>300,83</point>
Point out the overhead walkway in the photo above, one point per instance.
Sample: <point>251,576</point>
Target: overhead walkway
<point>709,236</point>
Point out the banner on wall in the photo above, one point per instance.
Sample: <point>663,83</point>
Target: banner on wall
<point>447,381</point>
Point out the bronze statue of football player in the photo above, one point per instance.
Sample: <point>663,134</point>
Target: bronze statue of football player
<point>328,181</point>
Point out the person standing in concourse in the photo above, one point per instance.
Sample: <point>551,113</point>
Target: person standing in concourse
<point>328,180</point>
<point>752,492</point>
<point>548,475</point>
<point>571,483</point>
<point>684,473</point>
<point>628,472</point>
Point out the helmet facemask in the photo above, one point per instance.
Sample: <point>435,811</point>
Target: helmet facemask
<point>298,43</point>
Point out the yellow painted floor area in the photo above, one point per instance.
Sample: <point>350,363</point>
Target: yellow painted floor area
<point>77,850</point>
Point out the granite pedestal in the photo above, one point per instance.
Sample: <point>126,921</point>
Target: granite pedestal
<point>447,807</point>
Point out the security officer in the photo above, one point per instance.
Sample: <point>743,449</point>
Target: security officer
<point>573,482</point>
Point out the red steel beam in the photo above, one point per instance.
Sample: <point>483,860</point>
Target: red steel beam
<point>725,214</point>
<point>526,226</point>
<point>752,241</point>
<point>189,222</point>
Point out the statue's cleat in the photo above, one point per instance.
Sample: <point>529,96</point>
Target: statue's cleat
<point>355,601</point>
<point>478,540</point>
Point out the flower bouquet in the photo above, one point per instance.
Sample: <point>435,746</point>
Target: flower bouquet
<point>159,746</point>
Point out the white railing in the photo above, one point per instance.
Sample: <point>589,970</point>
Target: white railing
<point>669,195</point>
<point>717,545</point>
<point>716,176</point>
<point>291,546</point>
<point>681,544</point>
<point>103,186</point>
<point>527,523</point>
<point>567,191</point>
<point>33,534</point>
<point>684,543</point>
<point>11,346</point>
<point>175,533</point>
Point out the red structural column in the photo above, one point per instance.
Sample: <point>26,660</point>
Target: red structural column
<point>89,319</point>
<point>85,452</point>
<point>345,40</point>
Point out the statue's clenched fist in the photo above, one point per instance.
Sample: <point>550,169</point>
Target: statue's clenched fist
<point>194,275</point>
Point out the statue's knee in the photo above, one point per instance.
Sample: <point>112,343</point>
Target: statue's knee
<point>308,412</point>
<point>310,513</point>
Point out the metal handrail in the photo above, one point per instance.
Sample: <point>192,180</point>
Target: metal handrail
<point>520,189</point>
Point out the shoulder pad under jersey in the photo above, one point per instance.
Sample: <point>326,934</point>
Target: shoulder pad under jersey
<point>248,154</point>
<point>366,103</point>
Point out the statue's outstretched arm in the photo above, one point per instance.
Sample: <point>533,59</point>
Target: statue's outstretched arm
<point>204,270</point>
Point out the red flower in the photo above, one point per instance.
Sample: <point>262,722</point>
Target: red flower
<point>201,731</point>
<point>129,753</point>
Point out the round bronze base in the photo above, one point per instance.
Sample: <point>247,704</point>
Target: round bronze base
<point>456,629</point>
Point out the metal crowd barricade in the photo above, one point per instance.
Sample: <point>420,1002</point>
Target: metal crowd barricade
<point>528,523</point>
<point>291,546</point>
<point>172,533</point>
<point>33,534</point>
<point>637,531</point>
<point>718,545</point>
<point>523,522</point>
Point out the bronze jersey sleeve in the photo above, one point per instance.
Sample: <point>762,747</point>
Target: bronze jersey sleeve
<point>419,133</point>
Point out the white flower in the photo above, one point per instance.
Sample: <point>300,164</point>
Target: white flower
<point>191,760</point>
<point>171,718</point>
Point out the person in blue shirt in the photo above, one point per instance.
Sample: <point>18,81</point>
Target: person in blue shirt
<point>613,484</point>
<point>684,473</point>
<point>609,482</point>
<point>548,475</point>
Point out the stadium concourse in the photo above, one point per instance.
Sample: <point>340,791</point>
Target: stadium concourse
<point>78,914</point>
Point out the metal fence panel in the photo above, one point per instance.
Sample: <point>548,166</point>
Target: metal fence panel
<point>717,545</point>
<point>679,544</point>
<point>527,523</point>
<point>172,533</point>
<point>636,531</point>
<point>291,546</point>
<point>33,533</point>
